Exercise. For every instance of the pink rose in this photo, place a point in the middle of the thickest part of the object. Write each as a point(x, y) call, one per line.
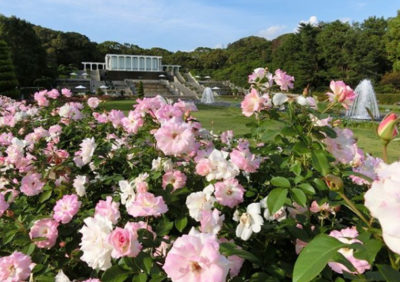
point(174, 177)
point(66, 208)
point(3, 204)
point(124, 243)
point(46, 228)
point(146, 204)
point(229, 192)
point(175, 138)
point(348, 236)
point(203, 167)
point(196, 258)
point(53, 94)
point(66, 92)
point(31, 184)
point(245, 160)
point(40, 98)
point(15, 267)
point(284, 80)
point(341, 93)
point(108, 209)
point(253, 102)
point(93, 102)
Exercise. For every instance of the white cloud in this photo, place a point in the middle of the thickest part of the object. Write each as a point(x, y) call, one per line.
point(313, 20)
point(345, 20)
point(272, 31)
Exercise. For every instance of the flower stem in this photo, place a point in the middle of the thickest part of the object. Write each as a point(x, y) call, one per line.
point(385, 156)
point(354, 209)
point(330, 106)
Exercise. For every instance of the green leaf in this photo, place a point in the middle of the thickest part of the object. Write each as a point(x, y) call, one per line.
point(299, 196)
point(296, 169)
point(181, 223)
point(115, 274)
point(164, 227)
point(388, 273)
point(45, 196)
point(314, 257)
point(300, 148)
point(229, 249)
point(320, 162)
point(45, 278)
point(307, 188)
point(148, 264)
point(37, 268)
point(142, 277)
point(9, 236)
point(157, 278)
point(339, 258)
point(276, 199)
point(262, 277)
point(329, 131)
point(280, 181)
point(374, 276)
point(28, 250)
point(320, 184)
point(369, 250)
point(249, 194)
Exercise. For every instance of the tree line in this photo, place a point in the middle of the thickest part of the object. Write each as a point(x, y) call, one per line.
point(314, 54)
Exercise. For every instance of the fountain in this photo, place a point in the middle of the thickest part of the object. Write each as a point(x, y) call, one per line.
point(365, 99)
point(208, 96)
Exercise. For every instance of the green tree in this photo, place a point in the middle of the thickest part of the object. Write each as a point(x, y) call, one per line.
point(307, 57)
point(285, 55)
point(336, 46)
point(392, 39)
point(8, 80)
point(369, 56)
point(140, 90)
point(28, 56)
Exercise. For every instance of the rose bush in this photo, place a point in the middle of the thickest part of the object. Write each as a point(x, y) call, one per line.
point(151, 195)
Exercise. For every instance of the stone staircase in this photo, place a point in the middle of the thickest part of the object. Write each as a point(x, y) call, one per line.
point(151, 88)
point(192, 82)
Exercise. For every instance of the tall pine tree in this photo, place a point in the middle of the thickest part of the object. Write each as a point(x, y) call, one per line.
point(8, 79)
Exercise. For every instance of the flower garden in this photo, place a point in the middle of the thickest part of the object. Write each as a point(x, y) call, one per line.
point(94, 195)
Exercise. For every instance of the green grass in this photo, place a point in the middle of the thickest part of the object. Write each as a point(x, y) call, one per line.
point(219, 119)
point(123, 105)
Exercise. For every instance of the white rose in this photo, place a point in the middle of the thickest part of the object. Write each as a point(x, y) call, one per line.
point(94, 244)
point(79, 184)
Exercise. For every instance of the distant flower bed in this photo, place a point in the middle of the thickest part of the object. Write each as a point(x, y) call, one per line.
point(90, 195)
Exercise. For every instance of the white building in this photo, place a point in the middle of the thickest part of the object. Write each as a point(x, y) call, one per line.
point(122, 62)
point(115, 62)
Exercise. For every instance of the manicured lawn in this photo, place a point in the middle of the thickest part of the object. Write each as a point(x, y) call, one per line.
point(218, 119)
point(123, 105)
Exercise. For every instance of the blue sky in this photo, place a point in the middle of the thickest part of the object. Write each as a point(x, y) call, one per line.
point(187, 24)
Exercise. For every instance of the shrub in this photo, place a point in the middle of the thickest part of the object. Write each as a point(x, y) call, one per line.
point(391, 78)
point(152, 195)
point(388, 99)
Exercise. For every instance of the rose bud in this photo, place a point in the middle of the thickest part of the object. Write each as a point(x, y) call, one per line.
point(387, 128)
point(334, 183)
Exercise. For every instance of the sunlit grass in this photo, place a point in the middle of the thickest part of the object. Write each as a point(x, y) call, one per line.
point(218, 119)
